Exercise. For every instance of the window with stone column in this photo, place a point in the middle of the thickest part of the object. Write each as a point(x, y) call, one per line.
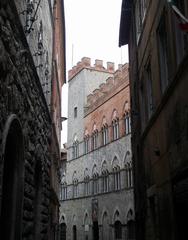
point(104, 131)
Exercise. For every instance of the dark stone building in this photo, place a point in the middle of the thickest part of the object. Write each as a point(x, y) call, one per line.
point(26, 157)
point(158, 59)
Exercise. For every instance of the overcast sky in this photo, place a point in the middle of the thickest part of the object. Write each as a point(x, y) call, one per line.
point(92, 30)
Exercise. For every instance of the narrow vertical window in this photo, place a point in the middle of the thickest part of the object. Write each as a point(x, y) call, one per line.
point(86, 144)
point(104, 134)
point(115, 128)
point(149, 91)
point(75, 188)
point(127, 123)
point(64, 191)
point(86, 186)
point(95, 184)
point(75, 112)
point(75, 149)
point(117, 178)
point(105, 181)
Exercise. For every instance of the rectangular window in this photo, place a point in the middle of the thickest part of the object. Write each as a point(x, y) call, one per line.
point(75, 112)
point(86, 144)
point(86, 188)
point(117, 180)
point(73, 152)
point(163, 52)
point(149, 91)
point(115, 128)
point(127, 124)
point(104, 135)
point(142, 103)
point(63, 192)
point(94, 140)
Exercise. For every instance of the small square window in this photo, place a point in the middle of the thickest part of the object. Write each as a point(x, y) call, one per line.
point(75, 112)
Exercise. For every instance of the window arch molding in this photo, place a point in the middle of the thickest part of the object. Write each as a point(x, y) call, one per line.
point(117, 215)
point(63, 218)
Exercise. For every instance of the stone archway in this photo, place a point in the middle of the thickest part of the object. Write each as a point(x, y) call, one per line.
point(12, 180)
point(63, 228)
point(130, 225)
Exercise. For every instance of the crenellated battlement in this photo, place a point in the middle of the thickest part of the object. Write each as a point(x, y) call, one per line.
point(105, 90)
point(86, 63)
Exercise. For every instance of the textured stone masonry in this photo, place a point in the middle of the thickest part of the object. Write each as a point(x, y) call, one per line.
point(21, 94)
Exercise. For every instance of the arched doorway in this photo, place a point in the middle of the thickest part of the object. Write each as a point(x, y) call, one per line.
point(118, 230)
point(12, 181)
point(131, 230)
point(63, 231)
point(95, 230)
point(130, 225)
point(74, 233)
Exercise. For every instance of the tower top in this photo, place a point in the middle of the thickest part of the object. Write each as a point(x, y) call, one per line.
point(86, 63)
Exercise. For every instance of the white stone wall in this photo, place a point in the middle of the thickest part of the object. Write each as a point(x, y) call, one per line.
point(117, 149)
point(80, 86)
point(121, 200)
point(74, 212)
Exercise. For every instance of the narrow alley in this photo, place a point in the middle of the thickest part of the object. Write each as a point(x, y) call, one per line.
point(93, 120)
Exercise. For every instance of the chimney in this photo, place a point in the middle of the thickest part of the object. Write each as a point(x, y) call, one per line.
point(86, 61)
point(110, 66)
point(99, 64)
point(120, 66)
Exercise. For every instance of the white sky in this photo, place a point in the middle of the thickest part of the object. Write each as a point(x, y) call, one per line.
point(92, 30)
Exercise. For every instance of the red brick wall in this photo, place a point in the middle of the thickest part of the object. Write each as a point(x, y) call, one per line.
point(117, 93)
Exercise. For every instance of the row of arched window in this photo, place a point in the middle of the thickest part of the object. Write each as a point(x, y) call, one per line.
point(101, 138)
point(100, 183)
point(120, 230)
